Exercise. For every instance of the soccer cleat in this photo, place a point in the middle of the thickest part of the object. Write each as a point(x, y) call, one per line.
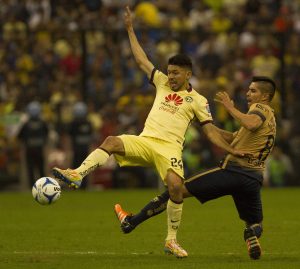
point(172, 247)
point(69, 176)
point(252, 242)
point(123, 217)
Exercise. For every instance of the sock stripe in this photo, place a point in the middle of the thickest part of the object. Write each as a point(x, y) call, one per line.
point(175, 202)
point(105, 150)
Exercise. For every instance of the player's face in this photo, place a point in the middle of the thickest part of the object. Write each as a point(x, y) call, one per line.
point(178, 77)
point(254, 95)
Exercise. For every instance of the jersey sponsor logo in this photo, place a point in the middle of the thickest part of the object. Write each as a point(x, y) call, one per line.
point(174, 98)
point(168, 108)
point(189, 99)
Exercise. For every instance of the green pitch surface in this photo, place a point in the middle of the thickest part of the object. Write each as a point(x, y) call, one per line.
point(81, 231)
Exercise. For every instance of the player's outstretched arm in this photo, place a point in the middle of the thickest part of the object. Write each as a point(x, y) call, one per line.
point(248, 121)
point(139, 54)
point(215, 137)
point(228, 136)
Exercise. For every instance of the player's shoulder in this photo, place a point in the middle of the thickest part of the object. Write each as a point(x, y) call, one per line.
point(196, 95)
point(159, 74)
point(158, 78)
point(262, 108)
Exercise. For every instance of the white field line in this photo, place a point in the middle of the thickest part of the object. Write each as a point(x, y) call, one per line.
point(76, 253)
point(98, 253)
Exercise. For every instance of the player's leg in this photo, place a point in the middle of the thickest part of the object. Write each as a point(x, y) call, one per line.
point(249, 206)
point(156, 206)
point(153, 208)
point(30, 166)
point(95, 159)
point(174, 212)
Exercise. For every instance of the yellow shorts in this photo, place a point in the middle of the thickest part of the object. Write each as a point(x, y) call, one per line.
point(151, 152)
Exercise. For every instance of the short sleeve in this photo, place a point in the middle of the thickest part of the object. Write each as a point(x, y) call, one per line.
point(258, 110)
point(202, 111)
point(158, 78)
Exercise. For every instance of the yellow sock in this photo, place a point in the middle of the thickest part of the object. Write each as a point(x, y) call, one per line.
point(96, 158)
point(174, 212)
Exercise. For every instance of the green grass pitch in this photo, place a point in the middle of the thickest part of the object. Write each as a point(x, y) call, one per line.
point(81, 231)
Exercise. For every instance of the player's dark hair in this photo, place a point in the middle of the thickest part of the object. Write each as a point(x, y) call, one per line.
point(181, 60)
point(267, 85)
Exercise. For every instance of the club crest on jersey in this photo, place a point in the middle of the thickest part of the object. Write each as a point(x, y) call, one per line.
point(189, 99)
point(174, 98)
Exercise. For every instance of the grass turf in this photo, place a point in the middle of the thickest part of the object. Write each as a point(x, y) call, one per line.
point(81, 231)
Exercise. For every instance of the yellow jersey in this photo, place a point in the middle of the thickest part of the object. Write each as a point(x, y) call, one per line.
point(172, 112)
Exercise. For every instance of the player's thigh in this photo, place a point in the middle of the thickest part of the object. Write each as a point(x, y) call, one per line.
point(168, 163)
point(211, 184)
point(138, 152)
point(248, 202)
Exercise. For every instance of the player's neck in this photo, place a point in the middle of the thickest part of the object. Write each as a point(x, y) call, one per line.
point(267, 103)
point(185, 87)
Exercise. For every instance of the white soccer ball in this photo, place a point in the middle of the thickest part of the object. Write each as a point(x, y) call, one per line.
point(46, 191)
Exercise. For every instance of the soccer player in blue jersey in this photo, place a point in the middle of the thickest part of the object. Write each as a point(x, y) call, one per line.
point(160, 144)
point(240, 177)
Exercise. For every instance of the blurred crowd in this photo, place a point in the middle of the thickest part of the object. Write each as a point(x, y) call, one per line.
point(71, 61)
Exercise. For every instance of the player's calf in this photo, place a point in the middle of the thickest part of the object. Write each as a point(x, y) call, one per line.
point(251, 235)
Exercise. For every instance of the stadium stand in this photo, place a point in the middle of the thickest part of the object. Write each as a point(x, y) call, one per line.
point(64, 52)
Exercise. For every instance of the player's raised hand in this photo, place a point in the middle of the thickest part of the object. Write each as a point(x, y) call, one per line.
point(224, 99)
point(128, 17)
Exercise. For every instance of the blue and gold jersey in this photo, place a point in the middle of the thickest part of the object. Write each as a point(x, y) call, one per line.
point(258, 143)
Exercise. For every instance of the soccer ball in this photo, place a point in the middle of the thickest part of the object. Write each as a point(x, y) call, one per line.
point(46, 191)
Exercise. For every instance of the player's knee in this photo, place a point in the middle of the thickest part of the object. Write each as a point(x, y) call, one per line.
point(174, 188)
point(174, 183)
point(253, 230)
point(112, 144)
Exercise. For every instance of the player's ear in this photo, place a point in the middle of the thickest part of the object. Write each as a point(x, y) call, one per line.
point(265, 97)
point(188, 74)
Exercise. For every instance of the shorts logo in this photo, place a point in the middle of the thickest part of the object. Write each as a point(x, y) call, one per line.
point(189, 99)
point(175, 98)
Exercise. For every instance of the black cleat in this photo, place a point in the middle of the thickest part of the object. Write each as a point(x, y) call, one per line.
point(126, 227)
point(254, 249)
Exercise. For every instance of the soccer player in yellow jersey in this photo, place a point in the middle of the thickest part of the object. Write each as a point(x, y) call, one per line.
point(240, 177)
point(160, 144)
